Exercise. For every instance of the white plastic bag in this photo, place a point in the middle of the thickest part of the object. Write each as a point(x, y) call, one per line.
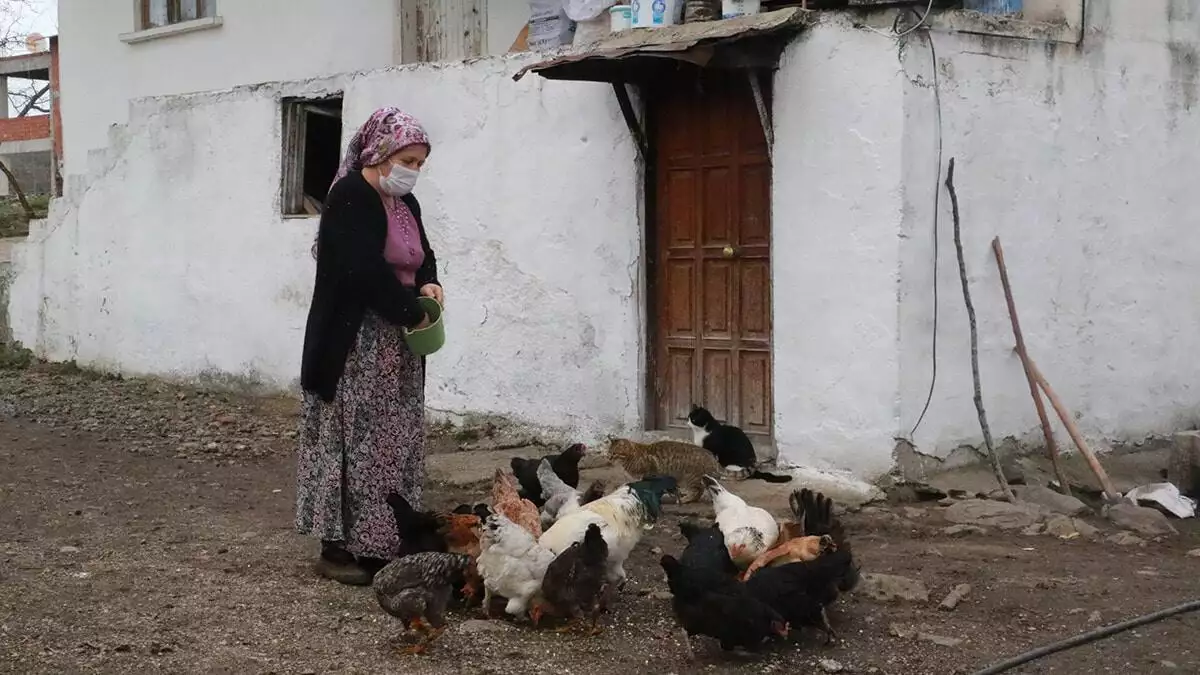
point(549, 25)
point(586, 10)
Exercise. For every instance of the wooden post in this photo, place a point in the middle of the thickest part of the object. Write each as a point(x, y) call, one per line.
point(1110, 492)
point(1047, 430)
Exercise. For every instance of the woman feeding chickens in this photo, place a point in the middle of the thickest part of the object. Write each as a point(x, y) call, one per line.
point(362, 425)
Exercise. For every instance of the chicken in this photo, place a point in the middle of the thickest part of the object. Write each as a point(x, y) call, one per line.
point(815, 512)
point(480, 510)
point(620, 515)
point(575, 582)
point(416, 590)
point(512, 564)
point(418, 530)
point(705, 559)
point(801, 591)
point(561, 498)
point(749, 531)
point(507, 500)
point(799, 549)
point(726, 611)
point(461, 532)
point(565, 465)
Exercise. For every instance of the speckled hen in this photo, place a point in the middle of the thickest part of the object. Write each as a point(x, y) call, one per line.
point(416, 590)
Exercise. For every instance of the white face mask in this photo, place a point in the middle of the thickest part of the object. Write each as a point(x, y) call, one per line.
point(400, 181)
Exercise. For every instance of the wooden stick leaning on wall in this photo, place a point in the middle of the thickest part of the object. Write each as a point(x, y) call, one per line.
point(962, 275)
point(1064, 485)
point(1106, 484)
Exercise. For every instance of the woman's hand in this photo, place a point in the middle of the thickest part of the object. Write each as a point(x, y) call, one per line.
point(434, 291)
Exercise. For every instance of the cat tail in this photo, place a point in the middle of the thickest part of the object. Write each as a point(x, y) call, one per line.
point(768, 477)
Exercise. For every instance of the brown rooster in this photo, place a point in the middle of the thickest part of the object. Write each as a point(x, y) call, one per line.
point(507, 500)
point(461, 532)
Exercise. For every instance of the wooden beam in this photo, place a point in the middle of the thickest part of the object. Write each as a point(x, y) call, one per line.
point(441, 30)
point(631, 120)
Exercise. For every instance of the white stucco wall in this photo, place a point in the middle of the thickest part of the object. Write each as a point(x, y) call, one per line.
point(528, 201)
point(258, 41)
point(1079, 157)
point(175, 260)
point(1082, 160)
point(834, 251)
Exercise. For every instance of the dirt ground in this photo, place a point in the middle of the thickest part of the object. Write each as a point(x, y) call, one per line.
point(148, 528)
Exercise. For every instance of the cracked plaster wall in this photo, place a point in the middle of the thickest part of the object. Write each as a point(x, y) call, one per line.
point(1080, 157)
point(175, 261)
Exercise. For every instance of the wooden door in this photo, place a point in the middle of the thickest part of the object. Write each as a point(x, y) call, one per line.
point(712, 243)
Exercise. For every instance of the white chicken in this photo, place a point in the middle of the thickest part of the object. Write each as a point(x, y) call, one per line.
point(512, 564)
point(749, 531)
point(620, 515)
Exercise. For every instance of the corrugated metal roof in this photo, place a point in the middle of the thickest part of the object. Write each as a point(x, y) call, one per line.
point(695, 43)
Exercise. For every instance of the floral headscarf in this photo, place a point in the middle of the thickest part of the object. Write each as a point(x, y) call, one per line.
point(385, 133)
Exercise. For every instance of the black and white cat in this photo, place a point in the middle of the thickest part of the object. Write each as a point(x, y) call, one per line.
point(730, 445)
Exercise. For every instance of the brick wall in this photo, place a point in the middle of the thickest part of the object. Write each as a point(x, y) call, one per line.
point(27, 128)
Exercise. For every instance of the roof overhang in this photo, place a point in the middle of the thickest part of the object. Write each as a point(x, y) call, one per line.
point(754, 41)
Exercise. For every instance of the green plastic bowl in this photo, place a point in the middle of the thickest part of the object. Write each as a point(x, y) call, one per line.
point(427, 340)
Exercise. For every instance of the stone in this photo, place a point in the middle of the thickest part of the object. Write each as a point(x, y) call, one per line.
point(1034, 530)
point(830, 666)
point(910, 632)
point(1140, 519)
point(1054, 501)
point(1194, 553)
point(963, 530)
point(940, 640)
point(482, 626)
point(988, 513)
point(1065, 527)
point(956, 595)
point(892, 588)
point(1169, 665)
point(69, 549)
point(1126, 539)
point(913, 513)
point(1094, 617)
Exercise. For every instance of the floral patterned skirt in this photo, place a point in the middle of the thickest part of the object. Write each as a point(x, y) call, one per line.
point(367, 442)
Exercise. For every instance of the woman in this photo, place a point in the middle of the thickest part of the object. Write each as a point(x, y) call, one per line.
point(362, 432)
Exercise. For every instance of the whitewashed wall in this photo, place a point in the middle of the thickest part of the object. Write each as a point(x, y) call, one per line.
point(258, 41)
point(176, 261)
point(1081, 158)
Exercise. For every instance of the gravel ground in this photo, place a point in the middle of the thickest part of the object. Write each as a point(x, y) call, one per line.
point(147, 527)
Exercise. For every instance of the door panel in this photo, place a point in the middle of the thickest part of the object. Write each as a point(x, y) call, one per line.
point(712, 272)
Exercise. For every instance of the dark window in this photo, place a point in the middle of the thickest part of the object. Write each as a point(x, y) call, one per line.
point(312, 142)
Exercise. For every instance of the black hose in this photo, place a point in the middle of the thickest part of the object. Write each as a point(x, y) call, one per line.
point(1090, 636)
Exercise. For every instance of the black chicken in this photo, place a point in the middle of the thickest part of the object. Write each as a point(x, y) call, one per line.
point(801, 591)
point(418, 530)
point(814, 511)
point(726, 612)
point(565, 465)
point(574, 585)
point(705, 561)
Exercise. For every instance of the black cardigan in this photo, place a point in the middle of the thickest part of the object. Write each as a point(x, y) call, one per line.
point(352, 277)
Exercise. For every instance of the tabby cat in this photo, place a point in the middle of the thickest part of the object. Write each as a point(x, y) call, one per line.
point(684, 462)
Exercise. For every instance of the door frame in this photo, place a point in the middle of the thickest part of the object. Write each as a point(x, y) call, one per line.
point(650, 251)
